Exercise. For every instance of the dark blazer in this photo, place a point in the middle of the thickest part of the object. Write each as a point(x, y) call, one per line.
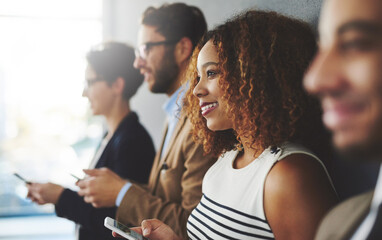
point(342, 222)
point(175, 184)
point(130, 153)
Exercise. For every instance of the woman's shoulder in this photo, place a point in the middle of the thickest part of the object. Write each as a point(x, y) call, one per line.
point(299, 188)
point(297, 170)
point(290, 148)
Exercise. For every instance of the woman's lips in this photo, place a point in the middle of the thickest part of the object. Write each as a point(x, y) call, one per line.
point(208, 107)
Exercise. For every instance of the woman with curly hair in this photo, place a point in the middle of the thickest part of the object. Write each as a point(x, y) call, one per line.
point(247, 104)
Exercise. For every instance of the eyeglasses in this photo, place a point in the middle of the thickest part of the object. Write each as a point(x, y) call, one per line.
point(144, 49)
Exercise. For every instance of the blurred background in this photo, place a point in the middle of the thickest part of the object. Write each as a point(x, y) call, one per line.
point(46, 128)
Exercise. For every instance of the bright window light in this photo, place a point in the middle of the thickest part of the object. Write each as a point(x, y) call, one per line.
point(46, 131)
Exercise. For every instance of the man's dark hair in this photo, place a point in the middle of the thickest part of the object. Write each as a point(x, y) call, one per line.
point(177, 20)
point(111, 60)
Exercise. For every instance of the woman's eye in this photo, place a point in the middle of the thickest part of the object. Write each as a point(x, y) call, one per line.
point(211, 73)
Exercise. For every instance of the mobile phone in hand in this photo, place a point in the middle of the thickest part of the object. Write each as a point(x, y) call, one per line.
point(78, 178)
point(122, 230)
point(22, 179)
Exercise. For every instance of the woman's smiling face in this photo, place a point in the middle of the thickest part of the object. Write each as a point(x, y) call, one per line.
point(208, 91)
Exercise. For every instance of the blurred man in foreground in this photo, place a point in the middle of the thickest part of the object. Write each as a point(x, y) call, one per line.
point(347, 77)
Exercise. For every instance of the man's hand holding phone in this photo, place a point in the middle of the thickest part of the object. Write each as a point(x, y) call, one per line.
point(21, 178)
point(100, 187)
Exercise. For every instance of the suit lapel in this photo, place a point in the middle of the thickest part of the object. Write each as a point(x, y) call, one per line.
point(157, 161)
point(154, 181)
point(360, 210)
point(175, 134)
point(162, 144)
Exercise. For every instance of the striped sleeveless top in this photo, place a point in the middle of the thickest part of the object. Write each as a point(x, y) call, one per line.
point(232, 203)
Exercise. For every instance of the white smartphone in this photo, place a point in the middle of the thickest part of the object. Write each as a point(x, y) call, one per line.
point(122, 230)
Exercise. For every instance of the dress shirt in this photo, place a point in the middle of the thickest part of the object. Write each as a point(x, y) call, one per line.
point(172, 107)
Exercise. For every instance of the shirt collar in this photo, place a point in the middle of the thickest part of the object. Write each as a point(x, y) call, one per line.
point(173, 105)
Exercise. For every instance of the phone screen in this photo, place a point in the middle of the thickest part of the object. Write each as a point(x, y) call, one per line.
point(121, 228)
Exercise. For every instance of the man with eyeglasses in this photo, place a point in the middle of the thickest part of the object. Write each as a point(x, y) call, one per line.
point(167, 37)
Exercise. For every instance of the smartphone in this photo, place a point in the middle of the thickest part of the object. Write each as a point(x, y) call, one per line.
point(122, 230)
point(78, 179)
point(22, 179)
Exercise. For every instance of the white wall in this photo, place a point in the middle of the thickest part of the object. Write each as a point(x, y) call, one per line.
point(121, 23)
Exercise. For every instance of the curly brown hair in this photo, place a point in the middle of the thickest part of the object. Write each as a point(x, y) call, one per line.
point(262, 58)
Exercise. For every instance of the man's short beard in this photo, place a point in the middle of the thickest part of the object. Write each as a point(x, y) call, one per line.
point(166, 74)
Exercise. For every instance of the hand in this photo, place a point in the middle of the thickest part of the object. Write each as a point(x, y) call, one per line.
point(43, 193)
point(155, 230)
point(101, 187)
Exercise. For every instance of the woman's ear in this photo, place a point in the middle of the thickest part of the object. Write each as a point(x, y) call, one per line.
point(183, 50)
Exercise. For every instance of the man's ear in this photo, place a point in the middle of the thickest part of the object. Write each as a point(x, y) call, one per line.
point(183, 50)
point(118, 85)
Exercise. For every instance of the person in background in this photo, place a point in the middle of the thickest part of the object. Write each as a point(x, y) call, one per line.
point(126, 148)
point(167, 37)
point(346, 75)
point(246, 102)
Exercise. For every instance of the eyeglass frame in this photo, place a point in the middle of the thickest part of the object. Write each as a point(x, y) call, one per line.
point(142, 51)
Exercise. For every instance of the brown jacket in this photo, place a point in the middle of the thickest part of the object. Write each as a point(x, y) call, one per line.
point(341, 222)
point(174, 192)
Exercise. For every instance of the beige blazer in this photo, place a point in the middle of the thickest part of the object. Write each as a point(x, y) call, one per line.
point(174, 192)
point(341, 222)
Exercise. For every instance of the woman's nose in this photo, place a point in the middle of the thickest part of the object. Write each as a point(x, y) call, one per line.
point(200, 89)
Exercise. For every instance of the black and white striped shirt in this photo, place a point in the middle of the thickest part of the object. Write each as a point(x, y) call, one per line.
point(232, 202)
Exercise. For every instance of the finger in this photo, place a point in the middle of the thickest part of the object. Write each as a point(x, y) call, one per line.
point(32, 199)
point(83, 184)
point(40, 201)
point(116, 235)
point(155, 223)
point(137, 229)
point(29, 186)
point(81, 192)
point(92, 172)
point(146, 227)
point(88, 199)
point(38, 196)
point(30, 195)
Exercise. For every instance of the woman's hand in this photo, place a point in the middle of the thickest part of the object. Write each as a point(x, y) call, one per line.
point(154, 229)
